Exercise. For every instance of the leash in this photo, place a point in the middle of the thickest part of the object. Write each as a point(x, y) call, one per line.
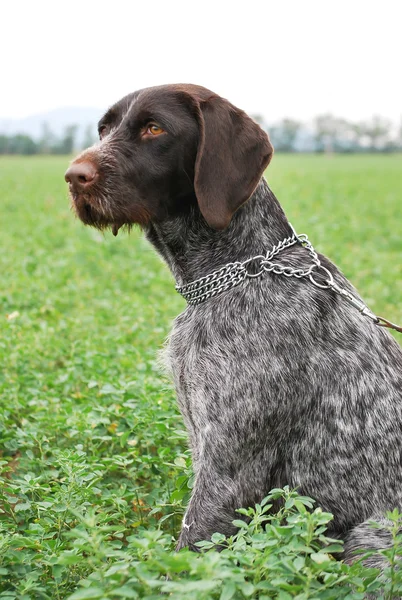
point(233, 274)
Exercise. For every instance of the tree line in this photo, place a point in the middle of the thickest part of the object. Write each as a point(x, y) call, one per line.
point(48, 143)
point(326, 133)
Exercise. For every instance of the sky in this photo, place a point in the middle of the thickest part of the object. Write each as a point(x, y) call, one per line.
point(293, 58)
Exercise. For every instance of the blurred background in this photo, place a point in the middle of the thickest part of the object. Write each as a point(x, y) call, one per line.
point(319, 76)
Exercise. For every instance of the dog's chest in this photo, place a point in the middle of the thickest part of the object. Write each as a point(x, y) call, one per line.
point(223, 370)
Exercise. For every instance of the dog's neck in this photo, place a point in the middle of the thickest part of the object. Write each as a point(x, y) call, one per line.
point(192, 249)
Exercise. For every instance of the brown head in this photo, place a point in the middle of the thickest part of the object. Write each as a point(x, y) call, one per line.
point(162, 148)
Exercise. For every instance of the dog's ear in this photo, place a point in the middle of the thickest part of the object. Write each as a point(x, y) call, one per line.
point(233, 152)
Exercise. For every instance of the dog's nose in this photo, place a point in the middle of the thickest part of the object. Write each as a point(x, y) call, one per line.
point(81, 175)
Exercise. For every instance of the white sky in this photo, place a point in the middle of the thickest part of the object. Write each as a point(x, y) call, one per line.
point(280, 58)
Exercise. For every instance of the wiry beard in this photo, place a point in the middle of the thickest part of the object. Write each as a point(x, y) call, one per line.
point(105, 205)
point(95, 209)
point(102, 213)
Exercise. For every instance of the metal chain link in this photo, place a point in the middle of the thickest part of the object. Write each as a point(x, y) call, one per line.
point(233, 274)
point(215, 283)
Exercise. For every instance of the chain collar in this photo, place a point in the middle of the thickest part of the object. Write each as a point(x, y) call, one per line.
point(233, 274)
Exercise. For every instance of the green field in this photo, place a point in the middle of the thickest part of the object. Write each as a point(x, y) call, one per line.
point(94, 468)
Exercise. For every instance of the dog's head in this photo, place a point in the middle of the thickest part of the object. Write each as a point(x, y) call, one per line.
point(160, 148)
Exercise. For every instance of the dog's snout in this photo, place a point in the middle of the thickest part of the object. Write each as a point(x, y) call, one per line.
point(81, 175)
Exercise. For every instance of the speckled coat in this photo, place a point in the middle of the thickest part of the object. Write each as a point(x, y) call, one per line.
point(281, 383)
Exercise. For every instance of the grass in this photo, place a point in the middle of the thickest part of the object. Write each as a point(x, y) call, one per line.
point(94, 467)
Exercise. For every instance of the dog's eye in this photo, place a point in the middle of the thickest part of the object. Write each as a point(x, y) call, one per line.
point(154, 129)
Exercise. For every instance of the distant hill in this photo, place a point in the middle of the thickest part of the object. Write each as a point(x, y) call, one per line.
point(57, 120)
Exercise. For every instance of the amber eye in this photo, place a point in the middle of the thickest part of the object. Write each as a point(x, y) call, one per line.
point(153, 129)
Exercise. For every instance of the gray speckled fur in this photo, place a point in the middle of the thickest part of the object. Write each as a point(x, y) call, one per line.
point(280, 383)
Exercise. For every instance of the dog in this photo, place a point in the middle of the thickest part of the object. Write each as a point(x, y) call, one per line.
point(279, 381)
